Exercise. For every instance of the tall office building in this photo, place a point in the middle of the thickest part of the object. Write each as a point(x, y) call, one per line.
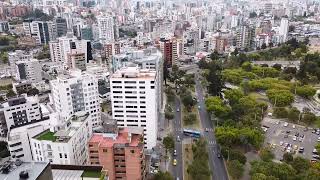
point(106, 28)
point(61, 26)
point(60, 48)
point(284, 29)
point(29, 70)
point(74, 92)
point(86, 33)
point(135, 96)
point(41, 31)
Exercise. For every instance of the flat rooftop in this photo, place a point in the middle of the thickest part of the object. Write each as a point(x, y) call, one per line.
point(123, 138)
point(74, 172)
point(34, 169)
point(63, 135)
point(134, 72)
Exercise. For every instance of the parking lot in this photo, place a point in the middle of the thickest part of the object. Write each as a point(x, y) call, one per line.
point(280, 137)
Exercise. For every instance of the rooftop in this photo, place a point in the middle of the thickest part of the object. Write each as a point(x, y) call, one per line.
point(67, 131)
point(46, 135)
point(76, 172)
point(134, 72)
point(130, 136)
point(34, 169)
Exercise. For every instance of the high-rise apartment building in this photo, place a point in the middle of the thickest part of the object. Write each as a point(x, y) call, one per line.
point(169, 51)
point(190, 41)
point(29, 70)
point(120, 154)
point(245, 37)
point(135, 97)
point(106, 28)
point(284, 29)
point(75, 92)
point(77, 60)
point(21, 110)
point(66, 145)
point(60, 48)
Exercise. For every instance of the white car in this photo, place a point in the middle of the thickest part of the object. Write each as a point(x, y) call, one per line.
point(285, 124)
point(281, 143)
point(294, 138)
point(293, 126)
point(318, 139)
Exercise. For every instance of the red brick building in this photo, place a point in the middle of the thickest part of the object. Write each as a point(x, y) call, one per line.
point(120, 154)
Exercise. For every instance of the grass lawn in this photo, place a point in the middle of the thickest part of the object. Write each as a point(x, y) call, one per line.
point(187, 159)
point(93, 174)
point(196, 125)
point(47, 135)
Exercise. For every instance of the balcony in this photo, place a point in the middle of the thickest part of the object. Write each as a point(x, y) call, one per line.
point(119, 163)
point(120, 169)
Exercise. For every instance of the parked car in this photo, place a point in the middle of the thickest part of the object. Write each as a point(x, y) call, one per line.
point(285, 124)
point(301, 150)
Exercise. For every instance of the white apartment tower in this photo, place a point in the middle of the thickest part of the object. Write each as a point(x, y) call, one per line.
point(106, 28)
point(75, 92)
point(135, 95)
point(284, 29)
point(21, 110)
point(60, 48)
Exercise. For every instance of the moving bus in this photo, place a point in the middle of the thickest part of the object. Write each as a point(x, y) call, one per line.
point(191, 133)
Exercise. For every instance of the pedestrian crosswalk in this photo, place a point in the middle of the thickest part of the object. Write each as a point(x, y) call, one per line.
point(211, 143)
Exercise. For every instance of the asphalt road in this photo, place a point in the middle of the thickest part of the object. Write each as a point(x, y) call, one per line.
point(178, 169)
point(216, 164)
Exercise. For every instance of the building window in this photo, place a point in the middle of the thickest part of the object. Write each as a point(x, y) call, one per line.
point(132, 151)
point(65, 156)
point(116, 81)
point(105, 150)
point(117, 92)
point(141, 82)
point(152, 87)
point(60, 154)
point(152, 82)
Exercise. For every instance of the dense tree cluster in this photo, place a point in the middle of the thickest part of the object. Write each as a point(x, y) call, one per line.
point(231, 136)
point(291, 169)
point(213, 76)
